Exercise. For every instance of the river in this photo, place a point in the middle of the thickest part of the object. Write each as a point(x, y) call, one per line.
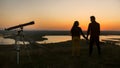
point(62, 38)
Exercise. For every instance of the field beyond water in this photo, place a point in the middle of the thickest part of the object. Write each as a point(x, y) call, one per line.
point(58, 55)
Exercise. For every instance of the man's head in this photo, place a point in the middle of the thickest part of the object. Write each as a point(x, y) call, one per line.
point(92, 18)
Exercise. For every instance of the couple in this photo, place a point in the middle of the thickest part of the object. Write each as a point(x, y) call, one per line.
point(93, 30)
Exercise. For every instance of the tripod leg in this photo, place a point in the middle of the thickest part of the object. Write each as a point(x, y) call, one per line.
point(17, 47)
point(23, 39)
point(27, 49)
point(18, 56)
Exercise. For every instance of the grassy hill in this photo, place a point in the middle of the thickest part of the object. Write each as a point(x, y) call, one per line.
point(58, 55)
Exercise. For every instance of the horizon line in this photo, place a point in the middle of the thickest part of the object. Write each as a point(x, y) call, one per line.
point(55, 30)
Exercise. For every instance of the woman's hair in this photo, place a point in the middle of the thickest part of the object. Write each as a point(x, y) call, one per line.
point(76, 23)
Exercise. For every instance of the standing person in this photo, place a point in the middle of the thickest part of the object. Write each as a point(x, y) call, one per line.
point(94, 31)
point(76, 31)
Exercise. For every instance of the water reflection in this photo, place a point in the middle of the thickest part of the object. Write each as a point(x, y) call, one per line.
point(60, 38)
point(55, 39)
point(4, 41)
point(8, 41)
point(112, 39)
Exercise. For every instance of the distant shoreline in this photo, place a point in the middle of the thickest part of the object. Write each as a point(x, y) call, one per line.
point(48, 32)
point(37, 35)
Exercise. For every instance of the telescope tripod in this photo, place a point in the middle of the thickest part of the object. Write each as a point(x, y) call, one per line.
point(20, 37)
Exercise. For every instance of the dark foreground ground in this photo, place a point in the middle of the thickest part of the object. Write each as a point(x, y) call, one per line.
point(58, 55)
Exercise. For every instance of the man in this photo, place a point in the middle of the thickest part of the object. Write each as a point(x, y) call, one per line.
point(94, 31)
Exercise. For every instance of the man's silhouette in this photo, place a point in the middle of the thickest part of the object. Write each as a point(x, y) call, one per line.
point(94, 31)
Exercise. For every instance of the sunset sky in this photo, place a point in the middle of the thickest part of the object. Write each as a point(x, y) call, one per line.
point(59, 14)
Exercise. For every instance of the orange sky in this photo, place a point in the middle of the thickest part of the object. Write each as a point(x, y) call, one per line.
point(59, 14)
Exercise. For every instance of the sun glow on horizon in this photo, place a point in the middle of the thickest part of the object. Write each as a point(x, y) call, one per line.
point(59, 14)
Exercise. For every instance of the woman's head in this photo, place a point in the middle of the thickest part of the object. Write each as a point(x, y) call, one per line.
point(76, 23)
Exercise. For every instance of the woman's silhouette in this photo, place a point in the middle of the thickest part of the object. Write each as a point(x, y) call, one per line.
point(76, 31)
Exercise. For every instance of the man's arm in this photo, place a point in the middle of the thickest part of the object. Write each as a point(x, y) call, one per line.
point(88, 31)
point(99, 29)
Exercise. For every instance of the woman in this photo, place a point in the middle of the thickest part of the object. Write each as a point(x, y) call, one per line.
point(76, 31)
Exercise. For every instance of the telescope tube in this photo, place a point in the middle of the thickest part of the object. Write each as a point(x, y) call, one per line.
point(21, 25)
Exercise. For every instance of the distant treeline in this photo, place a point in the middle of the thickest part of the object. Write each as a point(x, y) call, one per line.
point(42, 33)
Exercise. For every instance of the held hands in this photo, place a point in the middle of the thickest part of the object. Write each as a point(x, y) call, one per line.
point(86, 38)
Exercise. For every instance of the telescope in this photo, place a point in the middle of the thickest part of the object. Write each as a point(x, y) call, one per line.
point(20, 26)
point(19, 36)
